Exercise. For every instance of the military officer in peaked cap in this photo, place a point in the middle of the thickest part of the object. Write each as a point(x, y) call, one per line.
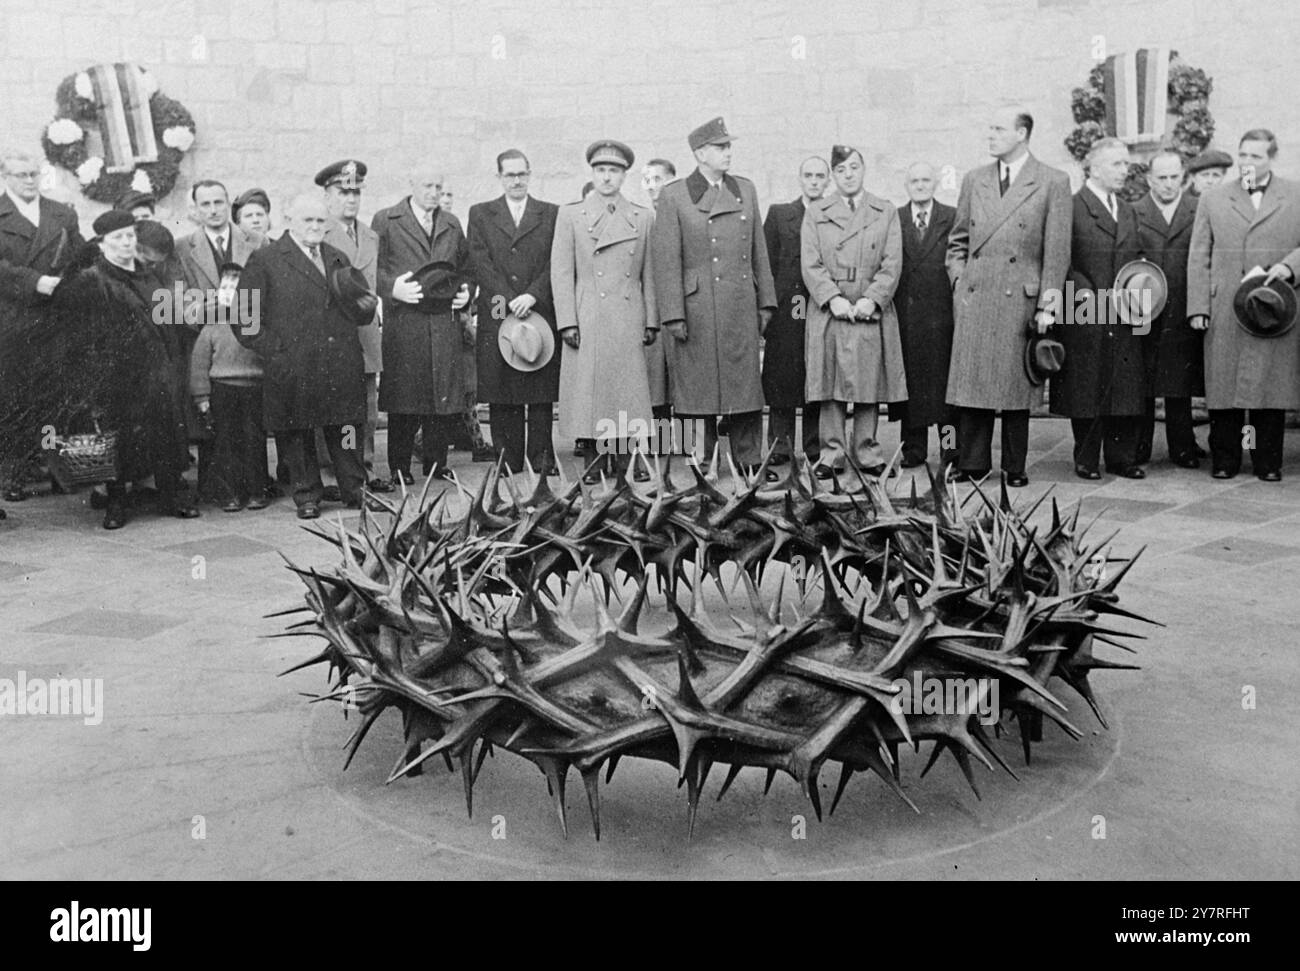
point(343, 182)
point(601, 280)
point(714, 293)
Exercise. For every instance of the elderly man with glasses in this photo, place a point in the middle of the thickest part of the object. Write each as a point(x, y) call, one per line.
point(38, 237)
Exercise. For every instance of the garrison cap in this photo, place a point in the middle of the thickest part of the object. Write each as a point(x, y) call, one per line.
point(610, 152)
point(348, 173)
point(1210, 159)
point(710, 133)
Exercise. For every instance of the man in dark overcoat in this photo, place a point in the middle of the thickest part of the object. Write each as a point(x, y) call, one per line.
point(314, 372)
point(784, 367)
point(714, 294)
point(1173, 353)
point(422, 381)
point(38, 237)
point(1102, 386)
point(924, 304)
point(510, 256)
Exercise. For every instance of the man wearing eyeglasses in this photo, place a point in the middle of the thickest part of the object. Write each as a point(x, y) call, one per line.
point(38, 237)
point(510, 250)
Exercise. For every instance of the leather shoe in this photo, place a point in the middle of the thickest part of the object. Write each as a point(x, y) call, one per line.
point(484, 453)
point(823, 472)
point(258, 502)
point(115, 517)
point(379, 485)
point(1269, 476)
point(642, 474)
point(309, 510)
point(401, 475)
point(911, 461)
point(1131, 472)
point(1083, 472)
point(1222, 474)
point(331, 493)
point(1017, 481)
point(15, 494)
point(442, 473)
point(234, 505)
point(1187, 460)
point(961, 475)
point(772, 475)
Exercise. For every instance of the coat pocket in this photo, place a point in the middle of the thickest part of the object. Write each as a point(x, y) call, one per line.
point(690, 283)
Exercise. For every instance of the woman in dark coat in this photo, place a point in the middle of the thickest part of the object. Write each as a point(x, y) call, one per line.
point(113, 364)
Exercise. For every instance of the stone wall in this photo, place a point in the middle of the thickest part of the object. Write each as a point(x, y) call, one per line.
point(280, 87)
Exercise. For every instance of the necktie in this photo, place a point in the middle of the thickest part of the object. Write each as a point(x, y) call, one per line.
point(921, 219)
point(221, 247)
point(315, 258)
point(352, 232)
point(611, 208)
point(1005, 182)
point(853, 204)
point(1113, 207)
point(426, 221)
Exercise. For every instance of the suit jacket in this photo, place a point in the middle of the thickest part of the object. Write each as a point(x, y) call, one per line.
point(364, 255)
point(198, 266)
point(712, 271)
point(508, 261)
point(313, 371)
point(421, 350)
point(1174, 359)
point(852, 254)
point(1229, 238)
point(1007, 257)
point(1103, 372)
point(784, 373)
point(924, 304)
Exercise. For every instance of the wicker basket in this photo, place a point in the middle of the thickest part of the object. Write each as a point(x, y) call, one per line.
point(83, 459)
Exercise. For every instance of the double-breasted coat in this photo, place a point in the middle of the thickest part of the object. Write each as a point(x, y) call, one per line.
point(924, 304)
point(853, 254)
point(656, 365)
point(363, 253)
point(602, 281)
point(1173, 354)
point(27, 253)
point(1229, 239)
point(421, 350)
point(1103, 373)
point(313, 371)
point(784, 373)
point(1007, 257)
point(711, 270)
point(509, 261)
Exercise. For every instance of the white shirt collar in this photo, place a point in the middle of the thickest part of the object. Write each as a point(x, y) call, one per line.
point(303, 246)
point(517, 208)
point(30, 210)
point(215, 235)
point(922, 207)
point(1168, 210)
point(419, 211)
point(1102, 195)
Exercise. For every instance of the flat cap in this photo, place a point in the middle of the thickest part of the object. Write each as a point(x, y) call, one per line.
point(258, 196)
point(710, 133)
point(1210, 159)
point(610, 152)
point(348, 173)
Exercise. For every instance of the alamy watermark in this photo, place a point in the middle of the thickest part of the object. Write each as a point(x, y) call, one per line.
point(658, 436)
point(1101, 307)
point(82, 697)
point(196, 306)
point(948, 696)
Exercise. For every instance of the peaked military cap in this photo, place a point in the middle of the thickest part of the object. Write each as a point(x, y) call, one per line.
point(610, 152)
point(349, 173)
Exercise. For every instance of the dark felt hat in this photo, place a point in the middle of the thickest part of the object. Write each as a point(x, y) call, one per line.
point(1265, 311)
point(349, 287)
point(439, 282)
point(1043, 358)
point(112, 221)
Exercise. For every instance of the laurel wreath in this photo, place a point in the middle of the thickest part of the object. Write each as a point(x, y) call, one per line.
point(64, 142)
point(1189, 99)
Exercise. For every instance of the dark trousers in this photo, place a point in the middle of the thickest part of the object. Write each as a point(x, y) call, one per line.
point(663, 416)
point(516, 435)
point(1114, 435)
point(296, 448)
point(238, 469)
point(781, 431)
point(1179, 436)
point(1227, 429)
point(436, 433)
point(744, 429)
point(915, 438)
point(975, 440)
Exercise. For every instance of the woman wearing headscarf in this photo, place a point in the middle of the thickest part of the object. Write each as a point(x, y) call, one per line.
point(114, 367)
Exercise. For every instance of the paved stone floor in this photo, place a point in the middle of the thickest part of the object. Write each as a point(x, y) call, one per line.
point(200, 738)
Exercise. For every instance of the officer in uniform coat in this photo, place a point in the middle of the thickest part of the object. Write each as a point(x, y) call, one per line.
point(715, 295)
point(1102, 386)
point(1173, 353)
point(924, 304)
point(784, 370)
point(510, 252)
point(38, 237)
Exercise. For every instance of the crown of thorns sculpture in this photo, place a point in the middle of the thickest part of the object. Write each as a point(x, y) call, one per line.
point(468, 628)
